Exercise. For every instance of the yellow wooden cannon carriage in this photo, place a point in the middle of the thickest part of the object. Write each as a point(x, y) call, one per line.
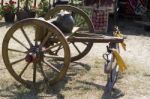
point(38, 51)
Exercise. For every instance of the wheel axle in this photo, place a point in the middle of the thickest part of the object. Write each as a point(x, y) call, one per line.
point(31, 57)
point(34, 55)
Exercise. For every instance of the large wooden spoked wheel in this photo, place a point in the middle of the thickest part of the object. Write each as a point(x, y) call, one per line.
point(78, 49)
point(27, 58)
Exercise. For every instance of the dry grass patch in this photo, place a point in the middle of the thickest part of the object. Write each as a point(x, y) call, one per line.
point(84, 81)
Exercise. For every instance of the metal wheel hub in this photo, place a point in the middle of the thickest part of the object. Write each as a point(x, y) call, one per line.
point(35, 54)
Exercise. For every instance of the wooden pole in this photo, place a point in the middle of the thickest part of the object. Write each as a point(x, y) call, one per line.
point(53, 3)
point(96, 39)
point(35, 3)
point(115, 13)
point(49, 4)
point(2, 2)
point(18, 5)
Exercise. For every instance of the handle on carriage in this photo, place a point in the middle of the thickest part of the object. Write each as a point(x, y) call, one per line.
point(117, 33)
point(112, 54)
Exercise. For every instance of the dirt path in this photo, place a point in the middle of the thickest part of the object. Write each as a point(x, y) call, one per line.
point(86, 80)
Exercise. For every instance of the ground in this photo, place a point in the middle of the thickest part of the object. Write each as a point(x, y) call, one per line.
point(85, 78)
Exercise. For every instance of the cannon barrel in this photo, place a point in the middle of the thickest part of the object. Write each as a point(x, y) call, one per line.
point(63, 20)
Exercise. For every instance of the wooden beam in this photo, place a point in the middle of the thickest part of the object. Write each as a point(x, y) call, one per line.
point(96, 40)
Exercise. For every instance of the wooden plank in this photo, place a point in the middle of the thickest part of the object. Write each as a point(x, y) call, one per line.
point(96, 40)
point(88, 35)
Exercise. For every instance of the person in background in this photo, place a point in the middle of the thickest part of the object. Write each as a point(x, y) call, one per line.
point(60, 2)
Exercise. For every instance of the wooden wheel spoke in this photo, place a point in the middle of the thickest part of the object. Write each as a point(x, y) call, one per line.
point(42, 71)
point(59, 49)
point(85, 43)
point(56, 52)
point(76, 17)
point(17, 61)
point(53, 56)
point(36, 43)
point(45, 39)
point(81, 22)
point(24, 69)
point(20, 42)
point(51, 47)
point(51, 66)
point(27, 38)
point(76, 47)
point(15, 50)
point(34, 72)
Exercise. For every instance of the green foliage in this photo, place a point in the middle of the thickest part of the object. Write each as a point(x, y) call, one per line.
point(43, 8)
point(24, 3)
point(9, 7)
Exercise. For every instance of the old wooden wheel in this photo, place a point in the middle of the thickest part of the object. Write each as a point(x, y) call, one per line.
point(27, 56)
point(82, 21)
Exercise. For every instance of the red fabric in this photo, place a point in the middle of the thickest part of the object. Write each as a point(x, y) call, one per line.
point(100, 19)
point(132, 6)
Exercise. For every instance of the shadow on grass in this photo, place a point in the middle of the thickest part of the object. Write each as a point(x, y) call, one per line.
point(15, 91)
point(80, 64)
point(115, 94)
point(18, 91)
